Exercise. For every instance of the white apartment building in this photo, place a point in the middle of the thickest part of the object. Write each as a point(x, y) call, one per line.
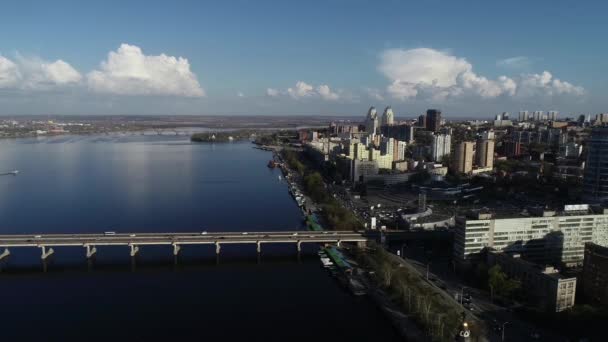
point(543, 236)
point(441, 146)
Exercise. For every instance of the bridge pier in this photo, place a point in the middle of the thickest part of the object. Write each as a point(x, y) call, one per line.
point(91, 250)
point(176, 249)
point(299, 246)
point(45, 253)
point(5, 254)
point(218, 248)
point(134, 250)
point(259, 247)
point(339, 243)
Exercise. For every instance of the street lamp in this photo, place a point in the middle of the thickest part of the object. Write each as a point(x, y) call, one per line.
point(503, 330)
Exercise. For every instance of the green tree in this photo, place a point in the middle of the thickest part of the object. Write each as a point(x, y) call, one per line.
point(500, 284)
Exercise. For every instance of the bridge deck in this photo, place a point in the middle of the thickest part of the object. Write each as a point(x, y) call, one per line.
point(30, 240)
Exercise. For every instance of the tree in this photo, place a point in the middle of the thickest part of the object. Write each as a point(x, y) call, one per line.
point(500, 284)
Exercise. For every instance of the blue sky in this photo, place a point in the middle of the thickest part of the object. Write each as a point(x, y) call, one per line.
point(473, 58)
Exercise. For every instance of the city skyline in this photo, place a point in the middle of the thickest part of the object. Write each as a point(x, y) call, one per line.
point(309, 59)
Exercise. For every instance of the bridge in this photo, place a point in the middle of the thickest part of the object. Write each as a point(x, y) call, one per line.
point(134, 241)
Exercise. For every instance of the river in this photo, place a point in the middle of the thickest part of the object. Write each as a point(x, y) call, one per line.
point(134, 183)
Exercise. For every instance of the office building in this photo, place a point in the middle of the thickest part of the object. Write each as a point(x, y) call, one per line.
point(463, 161)
point(595, 180)
point(595, 273)
point(542, 285)
point(441, 146)
point(485, 153)
point(388, 118)
point(539, 235)
point(433, 120)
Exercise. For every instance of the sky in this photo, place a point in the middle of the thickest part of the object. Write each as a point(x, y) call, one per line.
point(332, 57)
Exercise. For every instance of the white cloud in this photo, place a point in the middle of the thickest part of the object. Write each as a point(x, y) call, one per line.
point(437, 75)
point(518, 62)
point(546, 84)
point(127, 71)
point(272, 92)
point(9, 73)
point(325, 92)
point(304, 90)
point(33, 73)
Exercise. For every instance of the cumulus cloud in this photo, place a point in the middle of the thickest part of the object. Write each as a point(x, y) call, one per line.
point(438, 75)
point(33, 73)
point(9, 73)
point(127, 71)
point(546, 84)
point(304, 90)
point(326, 93)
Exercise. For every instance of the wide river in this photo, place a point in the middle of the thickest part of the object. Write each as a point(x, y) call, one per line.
point(72, 184)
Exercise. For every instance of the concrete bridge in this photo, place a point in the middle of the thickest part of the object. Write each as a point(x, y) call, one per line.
point(134, 241)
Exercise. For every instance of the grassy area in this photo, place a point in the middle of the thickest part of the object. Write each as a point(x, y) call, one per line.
point(438, 316)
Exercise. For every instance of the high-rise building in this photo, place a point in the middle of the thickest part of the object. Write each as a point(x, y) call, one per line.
point(422, 120)
point(387, 145)
point(595, 180)
point(505, 116)
point(441, 146)
point(433, 120)
point(595, 273)
point(601, 118)
point(485, 153)
point(399, 150)
point(523, 115)
point(552, 115)
point(538, 115)
point(512, 148)
point(388, 118)
point(463, 163)
point(371, 121)
point(403, 132)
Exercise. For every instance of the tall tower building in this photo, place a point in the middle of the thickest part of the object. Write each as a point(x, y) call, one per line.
point(538, 115)
point(553, 115)
point(463, 163)
point(388, 118)
point(485, 153)
point(433, 120)
point(595, 180)
point(371, 122)
point(441, 146)
point(422, 121)
point(523, 115)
